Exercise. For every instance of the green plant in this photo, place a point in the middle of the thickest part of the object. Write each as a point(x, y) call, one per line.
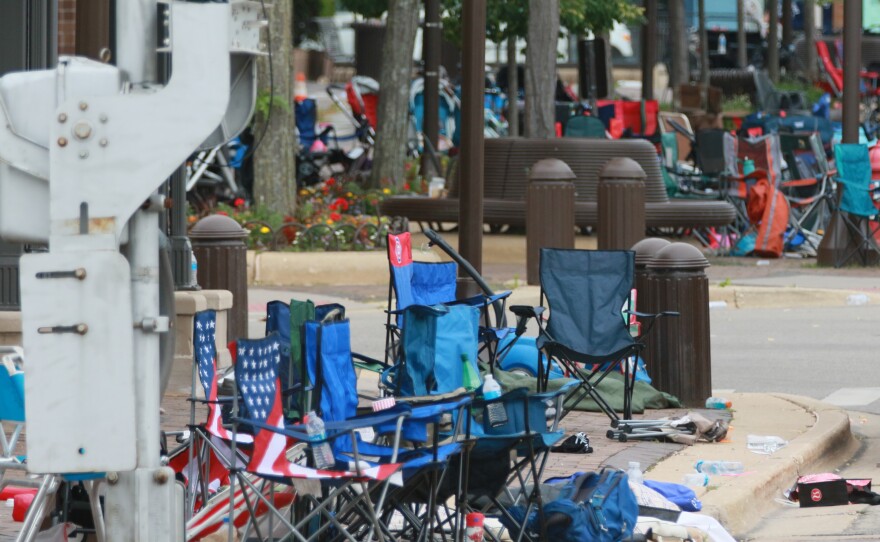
point(371, 9)
point(739, 102)
point(264, 99)
point(812, 92)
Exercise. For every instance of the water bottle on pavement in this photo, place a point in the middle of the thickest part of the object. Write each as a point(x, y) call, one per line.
point(321, 451)
point(718, 403)
point(722, 44)
point(764, 445)
point(696, 479)
point(496, 411)
point(720, 467)
point(634, 473)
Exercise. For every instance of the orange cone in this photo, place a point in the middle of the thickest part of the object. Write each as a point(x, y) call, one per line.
point(300, 91)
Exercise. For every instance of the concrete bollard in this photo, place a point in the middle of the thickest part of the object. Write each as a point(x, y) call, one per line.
point(683, 364)
point(646, 300)
point(621, 204)
point(549, 212)
point(219, 248)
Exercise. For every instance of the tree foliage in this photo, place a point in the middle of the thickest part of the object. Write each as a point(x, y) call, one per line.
point(371, 9)
point(506, 18)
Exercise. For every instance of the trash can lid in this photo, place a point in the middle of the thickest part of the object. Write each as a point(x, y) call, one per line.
point(678, 256)
point(551, 169)
point(646, 249)
point(217, 227)
point(622, 168)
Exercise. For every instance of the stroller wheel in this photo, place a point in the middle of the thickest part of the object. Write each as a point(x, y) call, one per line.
point(622, 437)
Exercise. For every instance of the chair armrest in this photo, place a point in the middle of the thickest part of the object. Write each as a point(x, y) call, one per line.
point(799, 182)
point(526, 311)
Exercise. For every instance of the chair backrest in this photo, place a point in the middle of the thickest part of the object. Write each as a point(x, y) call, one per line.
point(327, 355)
point(585, 292)
point(684, 144)
point(419, 283)
point(584, 126)
point(854, 171)
point(205, 351)
point(669, 145)
point(768, 96)
point(11, 390)
point(764, 152)
point(256, 375)
point(435, 340)
point(716, 152)
point(808, 147)
point(832, 72)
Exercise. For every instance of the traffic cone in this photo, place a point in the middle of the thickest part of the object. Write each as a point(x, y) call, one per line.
point(300, 91)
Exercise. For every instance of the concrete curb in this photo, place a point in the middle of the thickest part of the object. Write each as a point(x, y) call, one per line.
point(739, 501)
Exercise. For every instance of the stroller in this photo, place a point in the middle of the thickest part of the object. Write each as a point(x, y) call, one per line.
point(448, 111)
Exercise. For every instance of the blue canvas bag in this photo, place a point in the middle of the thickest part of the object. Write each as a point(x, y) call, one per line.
point(592, 506)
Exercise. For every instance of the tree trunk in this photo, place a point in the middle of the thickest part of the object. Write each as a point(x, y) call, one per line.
point(512, 89)
point(391, 134)
point(742, 53)
point(704, 44)
point(275, 157)
point(678, 73)
point(787, 26)
point(810, 38)
point(772, 63)
point(541, 68)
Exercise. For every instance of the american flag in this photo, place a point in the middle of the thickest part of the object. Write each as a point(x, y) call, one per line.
point(205, 350)
point(256, 374)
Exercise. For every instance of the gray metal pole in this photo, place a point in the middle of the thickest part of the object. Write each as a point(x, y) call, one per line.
point(136, 40)
point(470, 217)
point(852, 62)
point(810, 38)
point(431, 56)
point(704, 44)
point(742, 52)
point(649, 48)
point(772, 56)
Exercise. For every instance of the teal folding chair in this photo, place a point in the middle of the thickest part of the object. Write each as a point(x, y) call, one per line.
point(856, 204)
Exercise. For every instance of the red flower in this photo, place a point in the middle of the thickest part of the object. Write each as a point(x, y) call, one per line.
point(335, 217)
point(238, 202)
point(406, 186)
point(330, 182)
point(341, 203)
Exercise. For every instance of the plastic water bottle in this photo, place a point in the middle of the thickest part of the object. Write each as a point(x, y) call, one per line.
point(722, 44)
point(496, 411)
point(469, 376)
point(193, 270)
point(765, 445)
point(635, 473)
point(720, 467)
point(696, 479)
point(718, 403)
point(321, 451)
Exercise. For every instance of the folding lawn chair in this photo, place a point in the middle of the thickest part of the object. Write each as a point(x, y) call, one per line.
point(684, 133)
point(811, 191)
point(586, 290)
point(324, 497)
point(856, 203)
point(423, 457)
point(12, 414)
point(428, 283)
point(204, 460)
point(437, 342)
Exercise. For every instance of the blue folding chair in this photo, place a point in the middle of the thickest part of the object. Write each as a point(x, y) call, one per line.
point(856, 203)
point(12, 413)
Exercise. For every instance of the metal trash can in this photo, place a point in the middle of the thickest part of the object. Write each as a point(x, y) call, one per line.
point(221, 253)
point(646, 300)
point(549, 211)
point(683, 357)
point(621, 204)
